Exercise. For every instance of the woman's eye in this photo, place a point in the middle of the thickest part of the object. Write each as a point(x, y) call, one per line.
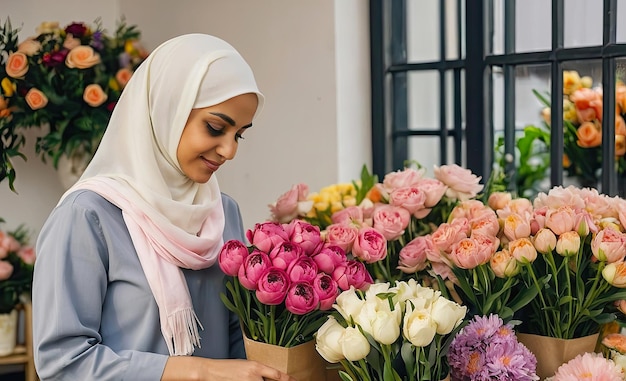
point(213, 131)
point(239, 137)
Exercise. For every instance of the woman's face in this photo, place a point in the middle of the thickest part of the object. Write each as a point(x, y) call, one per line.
point(211, 136)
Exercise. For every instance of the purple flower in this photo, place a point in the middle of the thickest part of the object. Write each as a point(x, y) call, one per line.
point(487, 349)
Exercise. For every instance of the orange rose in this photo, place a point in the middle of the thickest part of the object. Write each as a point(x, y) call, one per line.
point(620, 125)
point(94, 96)
point(589, 135)
point(588, 103)
point(17, 65)
point(82, 57)
point(29, 47)
point(123, 76)
point(36, 99)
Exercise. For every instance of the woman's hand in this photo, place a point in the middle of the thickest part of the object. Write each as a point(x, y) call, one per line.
point(182, 368)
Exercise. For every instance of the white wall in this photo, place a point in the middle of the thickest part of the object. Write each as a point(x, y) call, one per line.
point(310, 58)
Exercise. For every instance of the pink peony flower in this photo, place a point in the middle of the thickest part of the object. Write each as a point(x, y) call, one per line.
point(304, 234)
point(6, 270)
point(291, 204)
point(370, 245)
point(252, 268)
point(561, 220)
point(27, 254)
point(266, 235)
point(408, 177)
point(283, 254)
point(329, 257)
point(326, 289)
point(272, 286)
point(609, 245)
point(410, 198)
point(589, 366)
point(301, 298)
point(462, 183)
point(352, 215)
point(467, 254)
point(434, 191)
point(413, 256)
point(342, 235)
point(391, 220)
point(302, 269)
point(232, 256)
point(352, 273)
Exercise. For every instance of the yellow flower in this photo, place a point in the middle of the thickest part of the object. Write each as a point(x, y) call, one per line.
point(8, 87)
point(571, 81)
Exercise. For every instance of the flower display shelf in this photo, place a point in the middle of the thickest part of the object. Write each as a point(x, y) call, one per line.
point(23, 353)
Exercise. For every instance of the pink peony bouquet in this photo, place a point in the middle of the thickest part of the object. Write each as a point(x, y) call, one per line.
point(284, 284)
point(17, 259)
point(487, 349)
point(394, 332)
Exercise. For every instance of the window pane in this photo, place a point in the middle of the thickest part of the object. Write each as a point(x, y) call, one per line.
point(621, 27)
point(583, 23)
point(423, 100)
point(452, 17)
point(422, 24)
point(533, 24)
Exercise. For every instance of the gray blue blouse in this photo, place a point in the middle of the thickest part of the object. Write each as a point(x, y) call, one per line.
point(94, 316)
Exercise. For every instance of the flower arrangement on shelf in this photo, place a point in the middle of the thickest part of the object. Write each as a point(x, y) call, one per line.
point(283, 285)
point(391, 333)
point(487, 349)
point(17, 259)
point(378, 219)
point(582, 129)
point(66, 80)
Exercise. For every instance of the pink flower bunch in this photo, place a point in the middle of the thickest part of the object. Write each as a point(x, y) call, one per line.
point(16, 268)
point(588, 366)
point(288, 272)
point(487, 349)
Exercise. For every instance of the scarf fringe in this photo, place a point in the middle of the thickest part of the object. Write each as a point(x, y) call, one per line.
point(184, 334)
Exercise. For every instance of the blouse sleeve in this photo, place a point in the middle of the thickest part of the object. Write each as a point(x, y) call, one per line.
point(69, 289)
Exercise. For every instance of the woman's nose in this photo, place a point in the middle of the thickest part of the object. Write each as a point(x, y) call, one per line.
point(227, 147)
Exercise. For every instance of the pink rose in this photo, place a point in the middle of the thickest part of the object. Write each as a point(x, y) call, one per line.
point(6, 270)
point(446, 235)
point(467, 254)
point(329, 257)
point(609, 245)
point(266, 235)
point(504, 265)
point(391, 220)
point(232, 256)
point(487, 225)
point(301, 298)
point(350, 215)
point(352, 273)
point(326, 289)
point(434, 191)
point(291, 204)
point(488, 244)
point(410, 198)
point(283, 254)
point(408, 177)
point(27, 254)
point(342, 236)
point(252, 268)
point(516, 226)
point(370, 245)
point(412, 257)
point(302, 269)
point(272, 286)
point(462, 183)
point(498, 200)
point(561, 220)
point(523, 250)
point(306, 235)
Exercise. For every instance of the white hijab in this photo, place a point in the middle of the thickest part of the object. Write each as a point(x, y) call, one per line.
point(174, 222)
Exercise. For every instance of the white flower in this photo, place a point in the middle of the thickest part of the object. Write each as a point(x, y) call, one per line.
point(419, 328)
point(354, 345)
point(348, 304)
point(327, 340)
point(386, 326)
point(447, 314)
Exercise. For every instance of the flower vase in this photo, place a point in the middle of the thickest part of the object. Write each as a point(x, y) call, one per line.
point(8, 332)
point(552, 352)
point(301, 362)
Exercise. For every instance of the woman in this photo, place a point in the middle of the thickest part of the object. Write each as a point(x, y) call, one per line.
point(126, 286)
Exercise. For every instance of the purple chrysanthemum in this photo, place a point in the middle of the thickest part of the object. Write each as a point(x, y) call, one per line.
point(487, 349)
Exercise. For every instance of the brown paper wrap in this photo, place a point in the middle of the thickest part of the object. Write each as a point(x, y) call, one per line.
point(551, 352)
point(301, 362)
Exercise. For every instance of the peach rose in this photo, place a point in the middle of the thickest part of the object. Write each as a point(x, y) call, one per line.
point(82, 57)
point(36, 99)
point(123, 76)
point(620, 125)
point(93, 95)
point(17, 65)
point(620, 145)
point(29, 47)
point(589, 135)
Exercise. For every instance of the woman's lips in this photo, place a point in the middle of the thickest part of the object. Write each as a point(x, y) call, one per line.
point(212, 165)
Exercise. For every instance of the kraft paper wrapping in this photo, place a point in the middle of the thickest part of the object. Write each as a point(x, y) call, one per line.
point(301, 362)
point(551, 352)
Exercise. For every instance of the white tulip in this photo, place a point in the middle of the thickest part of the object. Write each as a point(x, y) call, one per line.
point(419, 328)
point(354, 345)
point(327, 340)
point(348, 304)
point(447, 314)
point(386, 326)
